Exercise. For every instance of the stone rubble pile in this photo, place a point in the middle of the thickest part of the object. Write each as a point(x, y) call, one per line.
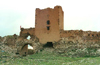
point(7, 44)
point(7, 49)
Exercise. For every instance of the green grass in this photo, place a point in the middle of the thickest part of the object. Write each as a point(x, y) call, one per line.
point(49, 59)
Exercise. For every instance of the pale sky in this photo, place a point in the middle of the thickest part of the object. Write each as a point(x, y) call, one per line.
point(78, 14)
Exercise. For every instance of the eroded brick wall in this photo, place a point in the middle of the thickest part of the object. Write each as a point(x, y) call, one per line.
point(69, 33)
point(85, 35)
point(24, 33)
point(91, 36)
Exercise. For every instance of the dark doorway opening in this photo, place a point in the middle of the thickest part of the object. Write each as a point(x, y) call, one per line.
point(48, 44)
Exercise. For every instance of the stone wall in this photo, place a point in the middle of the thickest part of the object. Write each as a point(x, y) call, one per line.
point(69, 33)
point(91, 36)
point(85, 35)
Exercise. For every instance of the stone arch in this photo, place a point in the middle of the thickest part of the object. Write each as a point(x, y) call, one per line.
point(24, 49)
point(20, 44)
point(22, 41)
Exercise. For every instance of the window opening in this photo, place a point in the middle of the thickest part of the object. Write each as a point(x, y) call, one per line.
point(28, 37)
point(48, 22)
point(48, 27)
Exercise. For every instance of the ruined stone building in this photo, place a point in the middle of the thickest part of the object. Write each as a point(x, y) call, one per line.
point(49, 28)
point(48, 23)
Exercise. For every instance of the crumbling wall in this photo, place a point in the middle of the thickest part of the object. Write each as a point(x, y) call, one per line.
point(8, 43)
point(85, 35)
point(10, 40)
point(24, 33)
point(1, 39)
point(22, 48)
point(70, 39)
point(71, 33)
point(91, 36)
point(70, 44)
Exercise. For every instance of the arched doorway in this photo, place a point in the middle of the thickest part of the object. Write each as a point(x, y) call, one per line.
point(26, 49)
point(49, 45)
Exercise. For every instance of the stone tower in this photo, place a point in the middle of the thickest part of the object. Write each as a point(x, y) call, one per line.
point(48, 23)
